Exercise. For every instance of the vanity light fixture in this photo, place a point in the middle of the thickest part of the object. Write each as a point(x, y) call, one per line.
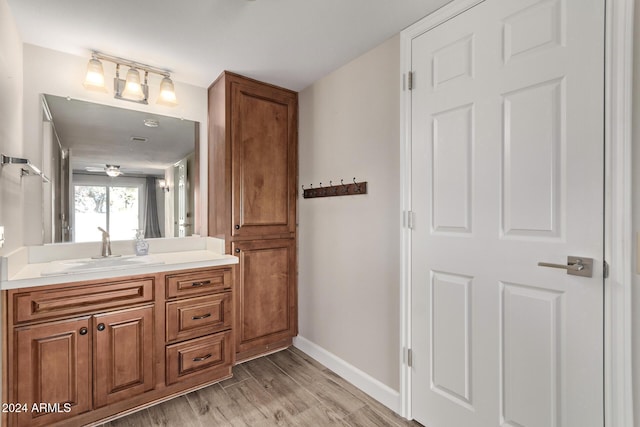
point(162, 183)
point(167, 93)
point(131, 88)
point(95, 75)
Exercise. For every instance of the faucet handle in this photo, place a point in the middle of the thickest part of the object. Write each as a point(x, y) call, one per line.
point(103, 231)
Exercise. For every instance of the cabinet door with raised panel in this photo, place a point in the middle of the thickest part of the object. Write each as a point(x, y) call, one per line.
point(264, 160)
point(124, 356)
point(266, 300)
point(53, 371)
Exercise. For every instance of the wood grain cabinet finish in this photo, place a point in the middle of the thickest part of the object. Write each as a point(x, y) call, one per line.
point(267, 309)
point(57, 302)
point(252, 199)
point(195, 317)
point(123, 342)
point(199, 323)
point(252, 159)
point(103, 347)
point(199, 356)
point(53, 366)
point(198, 282)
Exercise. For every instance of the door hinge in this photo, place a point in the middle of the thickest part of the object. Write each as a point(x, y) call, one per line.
point(410, 80)
point(410, 219)
point(605, 269)
point(409, 357)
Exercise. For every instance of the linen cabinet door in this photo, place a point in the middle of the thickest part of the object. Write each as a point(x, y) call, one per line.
point(264, 160)
point(53, 366)
point(124, 356)
point(266, 310)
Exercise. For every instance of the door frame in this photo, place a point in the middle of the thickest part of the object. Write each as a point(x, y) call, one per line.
point(618, 379)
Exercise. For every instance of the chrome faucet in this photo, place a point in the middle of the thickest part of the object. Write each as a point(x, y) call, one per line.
point(106, 243)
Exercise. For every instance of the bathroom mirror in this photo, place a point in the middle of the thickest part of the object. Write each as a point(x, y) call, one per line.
point(118, 169)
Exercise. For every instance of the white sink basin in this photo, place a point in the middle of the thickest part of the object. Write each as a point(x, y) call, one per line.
point(99, 264)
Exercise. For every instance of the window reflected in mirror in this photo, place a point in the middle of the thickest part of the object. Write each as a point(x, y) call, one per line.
point(119, 169)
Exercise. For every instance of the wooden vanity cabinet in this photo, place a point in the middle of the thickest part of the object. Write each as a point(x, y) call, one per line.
point(123, 354)
point(92, 350)
point(253, 143)
point(267, 308)
point(199, 316)
point(53, 365)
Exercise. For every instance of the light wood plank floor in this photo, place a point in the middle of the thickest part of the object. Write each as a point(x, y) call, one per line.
point(287, 388)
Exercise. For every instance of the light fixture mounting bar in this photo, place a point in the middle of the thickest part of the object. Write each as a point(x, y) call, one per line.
point(131, 64)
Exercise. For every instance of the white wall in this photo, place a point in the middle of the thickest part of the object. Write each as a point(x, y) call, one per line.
point(11, 142)
point(56, 73)
point(636, 213)
point(349, 267)
point(11, 192)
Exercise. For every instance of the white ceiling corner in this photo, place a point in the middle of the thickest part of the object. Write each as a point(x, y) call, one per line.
point(290, 43)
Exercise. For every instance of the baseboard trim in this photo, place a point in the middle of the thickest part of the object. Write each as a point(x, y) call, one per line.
point(365, 382)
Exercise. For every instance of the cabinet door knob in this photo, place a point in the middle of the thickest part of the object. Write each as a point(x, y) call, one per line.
point(101, 327)
point(237, 250)
point(237, 227)
point(83, 331)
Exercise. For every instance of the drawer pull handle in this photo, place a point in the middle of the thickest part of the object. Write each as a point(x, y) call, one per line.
point(101, 327)
point(204, 282)
point(83, 331)
point(204, 316)
point(200, 359)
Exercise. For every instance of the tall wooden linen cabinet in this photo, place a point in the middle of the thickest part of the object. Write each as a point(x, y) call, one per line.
point(253, 163)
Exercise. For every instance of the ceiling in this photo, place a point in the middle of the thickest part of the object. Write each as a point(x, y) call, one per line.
point(290, 43)
point(98, 135)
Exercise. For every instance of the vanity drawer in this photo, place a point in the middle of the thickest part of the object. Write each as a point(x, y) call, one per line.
point(210, 355)
point(78, 299)
point(194, 317)
point(198, 282)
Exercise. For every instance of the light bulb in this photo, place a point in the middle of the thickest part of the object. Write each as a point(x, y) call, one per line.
point(95, 76)
point(167, 93)
point(132, 87)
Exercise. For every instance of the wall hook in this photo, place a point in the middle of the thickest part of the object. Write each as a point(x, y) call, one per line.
point(356, 188)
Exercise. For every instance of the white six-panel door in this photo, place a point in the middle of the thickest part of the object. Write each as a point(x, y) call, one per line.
point(507, 171)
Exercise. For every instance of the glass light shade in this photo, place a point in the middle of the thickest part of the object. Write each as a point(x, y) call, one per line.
point(162, 183)
point(113, 170)
point(132, 87)
point(167, 93)
point(95, 76)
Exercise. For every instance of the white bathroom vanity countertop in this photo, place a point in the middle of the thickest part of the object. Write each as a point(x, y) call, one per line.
point(53, 264)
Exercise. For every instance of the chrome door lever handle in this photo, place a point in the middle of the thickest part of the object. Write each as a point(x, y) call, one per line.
point(575, 266)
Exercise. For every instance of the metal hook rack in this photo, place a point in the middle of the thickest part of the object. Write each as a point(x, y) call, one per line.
point(33, 170)
point(342, 189)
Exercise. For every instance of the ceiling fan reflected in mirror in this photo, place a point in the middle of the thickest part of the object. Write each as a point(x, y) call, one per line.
point(111, 170)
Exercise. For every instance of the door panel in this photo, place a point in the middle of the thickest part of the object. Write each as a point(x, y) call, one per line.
point(53, 366)
point(266, 307)
point(507, 171)
point(123, 354)
point(264, 160)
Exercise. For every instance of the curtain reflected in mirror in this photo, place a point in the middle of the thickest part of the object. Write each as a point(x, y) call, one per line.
point(113, 170)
